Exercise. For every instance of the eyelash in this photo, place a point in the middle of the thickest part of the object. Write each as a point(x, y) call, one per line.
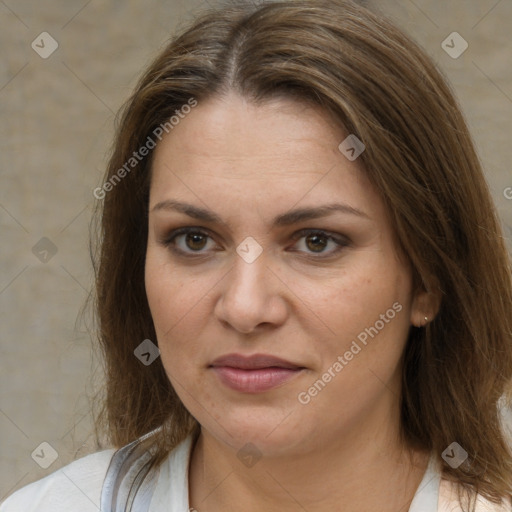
point(169, 241)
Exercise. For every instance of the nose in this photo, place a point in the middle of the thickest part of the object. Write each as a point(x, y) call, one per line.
point(252, 297)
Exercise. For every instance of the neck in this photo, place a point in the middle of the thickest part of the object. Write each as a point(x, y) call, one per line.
point(364, 470)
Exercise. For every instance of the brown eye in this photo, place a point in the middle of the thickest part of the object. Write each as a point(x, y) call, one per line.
point(188, 241)
point(316, 242)
point(322, 243)
point(195, 241)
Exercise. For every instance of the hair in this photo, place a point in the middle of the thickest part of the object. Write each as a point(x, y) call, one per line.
point(380, 85)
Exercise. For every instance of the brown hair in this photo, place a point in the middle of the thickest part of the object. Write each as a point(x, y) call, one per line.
point(419, 155)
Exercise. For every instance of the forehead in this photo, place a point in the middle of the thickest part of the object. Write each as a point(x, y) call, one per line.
point(282, 152)
point(230, 130)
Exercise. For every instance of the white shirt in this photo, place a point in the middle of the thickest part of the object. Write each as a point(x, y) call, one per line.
point(77, 487)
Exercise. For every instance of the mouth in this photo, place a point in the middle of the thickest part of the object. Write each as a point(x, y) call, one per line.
point(254, 374)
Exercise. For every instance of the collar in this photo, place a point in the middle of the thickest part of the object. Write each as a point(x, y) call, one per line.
point(171, 492)
point(426, 497)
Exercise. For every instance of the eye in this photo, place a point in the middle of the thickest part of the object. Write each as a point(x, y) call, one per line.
point(314, 241)
point(191, 242)
point(187, 241)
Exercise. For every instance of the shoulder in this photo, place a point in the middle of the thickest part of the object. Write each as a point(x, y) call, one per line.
point(448, 500)
point(76, 486)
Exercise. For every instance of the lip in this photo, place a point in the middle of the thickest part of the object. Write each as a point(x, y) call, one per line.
point(254, 374)
point(254, 362)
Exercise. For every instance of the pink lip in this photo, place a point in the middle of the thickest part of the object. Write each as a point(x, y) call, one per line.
point(254, 374)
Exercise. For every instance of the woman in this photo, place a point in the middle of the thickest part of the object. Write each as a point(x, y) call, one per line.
point(304, 298)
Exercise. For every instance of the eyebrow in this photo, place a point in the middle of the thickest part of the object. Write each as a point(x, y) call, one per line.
point(285, 219)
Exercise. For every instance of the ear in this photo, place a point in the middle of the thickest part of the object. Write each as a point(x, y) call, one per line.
point(425, 306)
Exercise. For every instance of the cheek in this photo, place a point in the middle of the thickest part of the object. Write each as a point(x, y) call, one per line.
point(179, 311)
point(353, 298)
point(367, 309)
point(175, 301)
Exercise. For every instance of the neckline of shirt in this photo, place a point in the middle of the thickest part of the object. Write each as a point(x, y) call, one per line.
point(171, 492)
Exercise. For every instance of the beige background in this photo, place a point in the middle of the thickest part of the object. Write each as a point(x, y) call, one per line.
point(56, 127)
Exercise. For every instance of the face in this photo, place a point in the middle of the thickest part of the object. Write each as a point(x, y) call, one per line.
point(280, 301)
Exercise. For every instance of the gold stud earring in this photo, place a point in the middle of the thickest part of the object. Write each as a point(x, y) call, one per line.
point(426, 321)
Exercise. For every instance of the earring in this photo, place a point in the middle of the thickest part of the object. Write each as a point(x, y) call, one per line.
point(426, 321)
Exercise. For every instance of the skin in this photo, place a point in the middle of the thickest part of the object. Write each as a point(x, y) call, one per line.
point(248, 164)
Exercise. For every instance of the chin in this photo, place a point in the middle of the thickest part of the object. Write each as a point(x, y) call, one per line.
point(272, 433)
